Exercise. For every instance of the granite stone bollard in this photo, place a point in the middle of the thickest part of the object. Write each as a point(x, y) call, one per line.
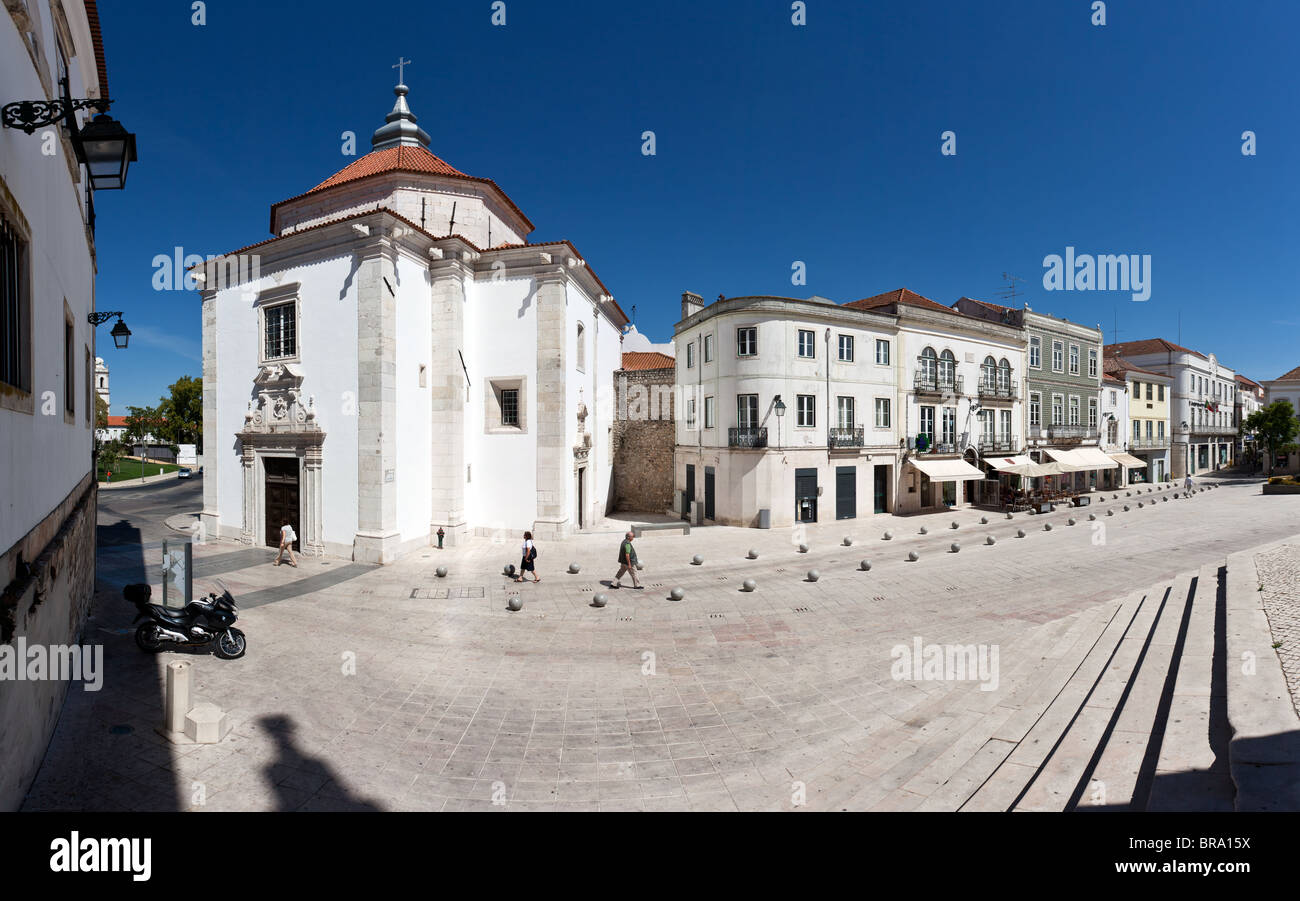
point(515, 603)
point(1047, 527)
point(1070, 521)
point(573, 568)
point(441, 572)
point(955, 547)
point(848, 541)
point(865, 566)
point(888, 536)
point(990, 540)
point(1011, 516)
point(813, 575)
point(1126, 508)
point(749, 585)
point(1020, 533)
point(697, 560)
point(984, 520)
point(953, 525)
point(1092, 517)
point(1110, 512)
point(752, 555)
point(677, 594)
point(803, 548)
point(599, 599)
point(924, 531)
point(913, 556)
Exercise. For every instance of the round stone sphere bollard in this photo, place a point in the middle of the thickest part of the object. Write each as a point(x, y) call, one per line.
point(573, 568)
point(955, 547)
point(984, 520)
point(1165, 499)
point(749, 585)
point(599, 599)
point(697, 560)
point(953, 525)
point(509, 570)
point(1047, 527)
point(813, 575)
point(752, 555)
point(1126, 508)
point(848, 541)
point(1020, 533)
point(1070, 521)
point(1092, 517)
point(865, 566)
point(677, 594)
point(924, 530)
point(1114, 497)
point(888, 536)
point(1141, 504)
point(1110, 512)
point(441, 572)
point(990, 541)
point(803, 548)
point(1128, 493)
point(1010, 516)
point(913, 556)
point(515, 603)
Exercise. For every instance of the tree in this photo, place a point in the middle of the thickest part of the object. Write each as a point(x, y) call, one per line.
point(143, 424)
point(182, 412)
point(1274, 426)
point(101, 413)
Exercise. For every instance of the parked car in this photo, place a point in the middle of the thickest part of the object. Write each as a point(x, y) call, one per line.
point(183, 473)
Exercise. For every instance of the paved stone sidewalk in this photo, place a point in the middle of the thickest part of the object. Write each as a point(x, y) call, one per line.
point(389, 688)
point(1279, 573)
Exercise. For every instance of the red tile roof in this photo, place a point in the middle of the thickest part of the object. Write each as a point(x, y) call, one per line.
point(1114, 379)
point(992, 306)
point(115, 421)
point(1118, 365)
point(97, 41)
point(1149, 346)
point(901, 295)
point(1252, 383)
point(636, 360)
point(1293, 375)
point(403, 158)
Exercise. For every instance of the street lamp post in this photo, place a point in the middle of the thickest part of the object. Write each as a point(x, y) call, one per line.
point(103, 146)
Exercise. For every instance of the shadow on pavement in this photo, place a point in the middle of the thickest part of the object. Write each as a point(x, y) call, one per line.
point(298, 778)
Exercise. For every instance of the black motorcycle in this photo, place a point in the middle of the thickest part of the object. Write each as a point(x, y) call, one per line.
point(201, 622)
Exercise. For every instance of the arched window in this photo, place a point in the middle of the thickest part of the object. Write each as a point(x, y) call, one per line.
point(947, 367)
point(928, 364)
point(582, 348)
point(988, 372)
point(1004, 374)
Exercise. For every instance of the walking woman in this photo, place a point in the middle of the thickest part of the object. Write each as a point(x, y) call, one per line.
point(528, 563)
point(287, 538)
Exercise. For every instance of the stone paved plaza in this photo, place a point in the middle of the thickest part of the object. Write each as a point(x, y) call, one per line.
point(1279, 573)
point(390, 688)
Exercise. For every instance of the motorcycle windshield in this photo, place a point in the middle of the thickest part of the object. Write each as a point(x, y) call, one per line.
point(224, 594)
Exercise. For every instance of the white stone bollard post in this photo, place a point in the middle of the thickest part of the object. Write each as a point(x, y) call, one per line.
point(177, 696)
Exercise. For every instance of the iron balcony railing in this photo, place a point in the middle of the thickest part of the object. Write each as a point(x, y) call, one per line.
point(847, 437)
point(997, 389)
point(747, 437)
point(925, 444)
point(938, 383)
point(1072, 432)
point(1214, 430)
point(999, 444)
point(1147, 443)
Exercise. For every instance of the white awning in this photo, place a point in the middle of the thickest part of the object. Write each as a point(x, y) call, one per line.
point(1128, 461)
point(1006, 463)
point(1037, 470)
point(1081, 459)
point(947, 470)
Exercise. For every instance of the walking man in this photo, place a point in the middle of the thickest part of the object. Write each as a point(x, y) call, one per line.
point(626, 562)
point(287, 538)
point(1187, 482)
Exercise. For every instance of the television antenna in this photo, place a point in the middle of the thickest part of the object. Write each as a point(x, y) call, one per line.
point(1010, 292)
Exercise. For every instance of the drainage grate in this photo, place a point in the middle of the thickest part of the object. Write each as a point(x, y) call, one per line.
point(625, 619)
point(443, 594)
point(879, 597)
point(587, 590)
point(803, 610)
point(780, 570)
point(951, 588)
point(722, 578)
point(717, 616)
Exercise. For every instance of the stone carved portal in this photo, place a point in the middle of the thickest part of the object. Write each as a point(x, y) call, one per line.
point(278, 424)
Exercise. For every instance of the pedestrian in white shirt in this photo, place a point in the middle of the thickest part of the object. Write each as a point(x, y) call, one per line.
point(287, 538)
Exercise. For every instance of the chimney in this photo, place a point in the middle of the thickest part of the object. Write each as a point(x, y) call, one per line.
point(691, 304)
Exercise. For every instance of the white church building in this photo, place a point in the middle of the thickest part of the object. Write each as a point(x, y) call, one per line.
point(399, 359)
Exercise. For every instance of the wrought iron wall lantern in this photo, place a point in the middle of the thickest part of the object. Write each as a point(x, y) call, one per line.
point(103, 145)
point(121, 334)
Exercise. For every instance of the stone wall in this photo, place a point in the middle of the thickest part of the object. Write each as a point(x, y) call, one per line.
point(643, 441)
point(45, 600)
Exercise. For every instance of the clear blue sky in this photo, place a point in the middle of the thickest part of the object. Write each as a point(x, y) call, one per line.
point(775, 143)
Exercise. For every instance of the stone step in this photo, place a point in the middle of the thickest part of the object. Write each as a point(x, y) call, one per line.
point(1108, 741)
point(1192, 772)
point(1033, 730)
